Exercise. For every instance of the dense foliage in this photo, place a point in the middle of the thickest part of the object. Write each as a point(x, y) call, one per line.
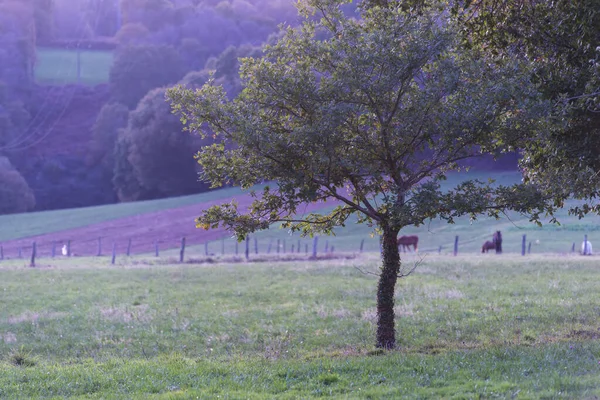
point(561, 39)
point(371, 112)
point(15, 194)
point(139, 69)
point(154, 157)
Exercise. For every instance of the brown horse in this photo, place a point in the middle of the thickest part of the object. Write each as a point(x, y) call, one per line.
point(407, 241)
point(488, 246)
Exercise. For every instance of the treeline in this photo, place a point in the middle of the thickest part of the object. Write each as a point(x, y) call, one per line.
point(134, 148)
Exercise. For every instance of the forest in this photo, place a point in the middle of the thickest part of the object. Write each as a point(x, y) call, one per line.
point(84, 119)
point(106, 134)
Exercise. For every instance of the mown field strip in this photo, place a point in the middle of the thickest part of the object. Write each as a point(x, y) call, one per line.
point(468, 326)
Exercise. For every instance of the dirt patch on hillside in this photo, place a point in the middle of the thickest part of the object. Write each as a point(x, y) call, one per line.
point(163, 227)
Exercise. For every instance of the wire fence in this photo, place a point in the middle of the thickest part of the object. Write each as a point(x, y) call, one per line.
point(252, 248)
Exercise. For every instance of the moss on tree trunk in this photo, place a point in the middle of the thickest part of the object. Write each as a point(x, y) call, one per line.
point(386, 332)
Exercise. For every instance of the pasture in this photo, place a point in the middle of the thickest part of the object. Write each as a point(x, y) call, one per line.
point(143, 221)
point(473, 326)
point(59, 66)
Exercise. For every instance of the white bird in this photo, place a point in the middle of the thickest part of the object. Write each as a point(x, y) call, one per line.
point(64, 250)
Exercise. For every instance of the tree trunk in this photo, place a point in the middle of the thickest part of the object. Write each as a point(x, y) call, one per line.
point(386, 332)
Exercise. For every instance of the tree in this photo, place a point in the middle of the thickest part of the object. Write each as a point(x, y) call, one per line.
point(132, 34)
point(15, 194)
point(372, 112)
point(17, 45)
point(158, 154)
point(14, 120)
point(139, 69)
point(562, 40)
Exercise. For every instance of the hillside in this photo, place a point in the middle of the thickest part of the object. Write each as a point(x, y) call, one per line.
point(166, 221)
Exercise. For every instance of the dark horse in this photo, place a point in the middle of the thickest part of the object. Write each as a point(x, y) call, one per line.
point(407, 241)
point(488, 246)
point(496, 243)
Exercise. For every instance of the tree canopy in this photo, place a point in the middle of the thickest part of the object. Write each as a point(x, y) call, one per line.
point(561, 39)
point(373, 112)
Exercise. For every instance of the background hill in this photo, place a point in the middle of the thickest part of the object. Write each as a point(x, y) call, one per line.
point(165, 222)
point(75, 90)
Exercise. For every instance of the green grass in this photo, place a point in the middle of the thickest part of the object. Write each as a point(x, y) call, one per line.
point(436, 233)
point(59, 67)
point(468, 327)
point(14, 226)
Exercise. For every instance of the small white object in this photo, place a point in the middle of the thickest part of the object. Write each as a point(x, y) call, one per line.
point(586, 248)
point(64, 250)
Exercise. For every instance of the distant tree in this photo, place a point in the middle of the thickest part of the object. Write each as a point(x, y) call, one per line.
point(102, 16)
point(43, 12)
point(154, 157)
point(139, 69)
point(15, 194)
point(373, 111)
point(154, 14)
point(132, 34)
point(18, 42)
point(14, 119)
point(70, 21)
point(193, 54)
point(125, 182)
point(112, 117)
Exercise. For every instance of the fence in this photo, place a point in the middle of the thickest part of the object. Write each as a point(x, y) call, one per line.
point(251, 247)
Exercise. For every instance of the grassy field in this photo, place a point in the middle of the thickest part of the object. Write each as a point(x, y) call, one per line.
point(59, 67)
point(468, 327)
point(16, 226)
point(548, 239)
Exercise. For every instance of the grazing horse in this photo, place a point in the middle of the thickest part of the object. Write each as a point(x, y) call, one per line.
point(407, 241)
point(488, 246)
point(498, 241)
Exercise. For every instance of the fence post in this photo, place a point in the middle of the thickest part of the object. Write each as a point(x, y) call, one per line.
point(255, 245)
point(314, 251)
point(306, 248)
point(573, 248)
point(362, 243)
point(53, 249)
point(326, 246)
point(20, 254)
point(456, 245)
point(277, 246)
point(99, 247)
point(156, 248)
point(284, 249)
point(129, 247)
point(33, 253)
point(206, 249)
point(440, 250)
point(523, 244)
point(298, 246)
point(247, 248)
point(182, 251)
point(68, 248)
point(1, 253)
point(114, 253)
point(293, 249)
point(585, 246)
point(332, 248)
point(529, 248)
point(223, 246)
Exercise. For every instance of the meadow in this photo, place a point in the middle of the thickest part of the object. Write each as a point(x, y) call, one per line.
point(59, 66)
point(468, 327)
